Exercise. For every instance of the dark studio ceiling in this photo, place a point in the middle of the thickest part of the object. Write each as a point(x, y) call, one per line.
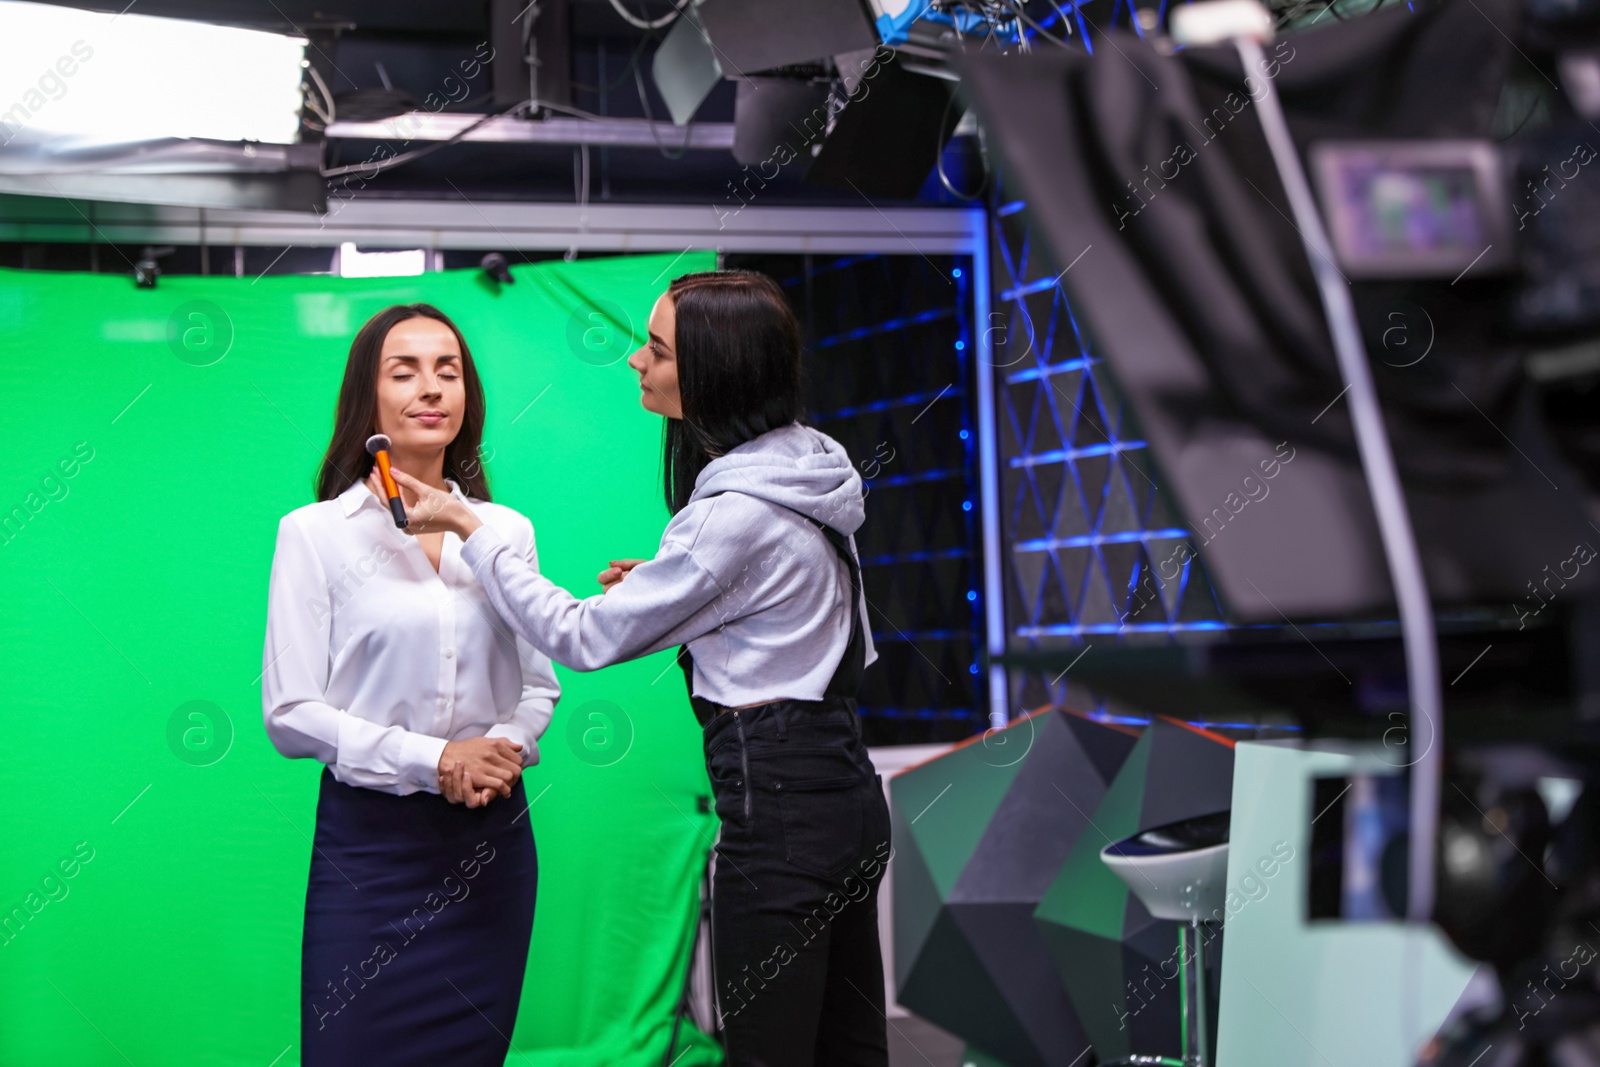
point(385, 57)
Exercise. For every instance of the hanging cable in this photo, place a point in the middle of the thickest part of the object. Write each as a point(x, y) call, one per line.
point(627, 71)
point(938, 164)
point(316, 109)
point(576, 112)
point(644, 102)
point(649, 24)
point(1017, 6)
point(580, 194)
point(328, 112)
point(373, 167)
point(1062, 15)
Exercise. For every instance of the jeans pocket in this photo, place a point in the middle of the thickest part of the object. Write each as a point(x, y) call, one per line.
point(822, 823)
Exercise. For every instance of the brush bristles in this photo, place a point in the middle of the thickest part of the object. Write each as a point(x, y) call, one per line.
point(378, 442)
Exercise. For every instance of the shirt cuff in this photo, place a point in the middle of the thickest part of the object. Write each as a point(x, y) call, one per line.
point(419, 760)
point(481, 544)
point(512, 732)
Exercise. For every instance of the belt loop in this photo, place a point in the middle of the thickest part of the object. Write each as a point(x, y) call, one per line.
point(778, 718)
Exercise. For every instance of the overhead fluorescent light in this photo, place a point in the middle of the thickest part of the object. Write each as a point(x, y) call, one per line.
point(357, 264)
point(116, 78)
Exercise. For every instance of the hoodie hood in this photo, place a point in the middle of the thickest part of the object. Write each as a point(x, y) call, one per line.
point(796, 467)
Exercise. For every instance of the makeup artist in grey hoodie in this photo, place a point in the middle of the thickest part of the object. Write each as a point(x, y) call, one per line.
point(757, 582)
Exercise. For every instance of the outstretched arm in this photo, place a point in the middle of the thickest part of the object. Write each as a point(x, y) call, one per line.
point(665, 601)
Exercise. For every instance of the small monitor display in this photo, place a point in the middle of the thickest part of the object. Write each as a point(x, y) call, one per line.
point(1413, 209)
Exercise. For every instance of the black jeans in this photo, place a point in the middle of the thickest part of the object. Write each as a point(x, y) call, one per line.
point(794, 912)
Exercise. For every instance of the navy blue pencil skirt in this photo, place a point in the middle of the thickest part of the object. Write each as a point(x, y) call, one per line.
point(418, 915)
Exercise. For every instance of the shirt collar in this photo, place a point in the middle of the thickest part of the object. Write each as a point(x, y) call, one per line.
point(359, 496)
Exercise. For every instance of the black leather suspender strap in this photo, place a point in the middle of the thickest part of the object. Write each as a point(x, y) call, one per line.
point(846, 678)
point(704, 710)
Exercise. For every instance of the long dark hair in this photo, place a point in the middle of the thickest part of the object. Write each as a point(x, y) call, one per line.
point(738, 353)
point(347, 460)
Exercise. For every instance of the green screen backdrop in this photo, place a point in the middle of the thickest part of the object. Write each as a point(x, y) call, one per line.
point(153, 874)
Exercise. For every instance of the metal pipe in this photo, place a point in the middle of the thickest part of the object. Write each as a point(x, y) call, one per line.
point(508, 129)
point(989, 476)
point(1383, 483)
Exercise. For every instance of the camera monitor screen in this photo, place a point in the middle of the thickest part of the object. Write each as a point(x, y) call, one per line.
point(1413, 209)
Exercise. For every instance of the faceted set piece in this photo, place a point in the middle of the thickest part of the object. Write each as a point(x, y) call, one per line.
point(1009, 931)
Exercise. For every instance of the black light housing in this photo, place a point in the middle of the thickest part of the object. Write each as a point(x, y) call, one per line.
point(147, 270)
point(497, 269)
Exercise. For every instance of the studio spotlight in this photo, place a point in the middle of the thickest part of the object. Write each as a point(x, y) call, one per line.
point(759, 35)
point(496, 269)
point(888, 136)
point(252, 79)
point(147, 270)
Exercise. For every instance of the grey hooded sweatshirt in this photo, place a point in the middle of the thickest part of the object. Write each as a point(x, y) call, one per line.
point(755, 589)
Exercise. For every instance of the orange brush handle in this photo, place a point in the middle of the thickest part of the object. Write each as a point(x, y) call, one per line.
point(388, 479)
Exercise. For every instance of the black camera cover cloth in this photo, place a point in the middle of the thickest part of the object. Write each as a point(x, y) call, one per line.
point(1195, 287)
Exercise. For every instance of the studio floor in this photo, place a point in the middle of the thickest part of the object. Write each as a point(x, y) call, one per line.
point(915, 1042)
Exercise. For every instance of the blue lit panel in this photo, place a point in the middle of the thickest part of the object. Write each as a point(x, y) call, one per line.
point(891, 377)
point(1093, 547)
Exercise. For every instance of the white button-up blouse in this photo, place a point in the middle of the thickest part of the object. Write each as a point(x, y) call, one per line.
point(373, 661)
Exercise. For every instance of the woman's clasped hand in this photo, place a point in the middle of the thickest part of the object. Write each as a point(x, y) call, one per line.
point(473, 770)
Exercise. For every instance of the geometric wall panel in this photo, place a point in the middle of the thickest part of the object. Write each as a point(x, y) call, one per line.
point(980, 834)
point(1119, 965)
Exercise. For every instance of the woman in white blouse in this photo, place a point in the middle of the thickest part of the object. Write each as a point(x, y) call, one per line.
point(758, 582)
point(385, 661)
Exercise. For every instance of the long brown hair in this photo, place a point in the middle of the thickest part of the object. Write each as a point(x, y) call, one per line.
point(347, 460)
point(739, 371)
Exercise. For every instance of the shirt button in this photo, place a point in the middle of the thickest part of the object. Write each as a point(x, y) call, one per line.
point(449, 652)
point(443, 702)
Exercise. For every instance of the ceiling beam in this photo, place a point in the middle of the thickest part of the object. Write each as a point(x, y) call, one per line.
point(452, 224)
point(631, 133)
